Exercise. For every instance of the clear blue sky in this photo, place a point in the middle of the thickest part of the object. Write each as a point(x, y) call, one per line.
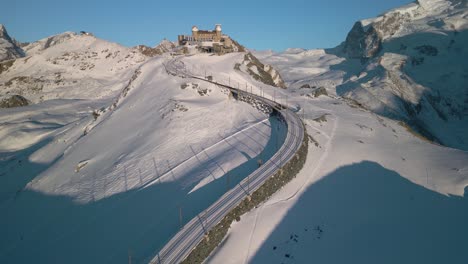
point(257, 24)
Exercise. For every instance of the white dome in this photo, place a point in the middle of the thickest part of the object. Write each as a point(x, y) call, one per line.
point(194, 28)
point(218, 27)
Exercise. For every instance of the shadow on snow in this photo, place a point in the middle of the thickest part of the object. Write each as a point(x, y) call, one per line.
point(40, 228)
point(365, 213)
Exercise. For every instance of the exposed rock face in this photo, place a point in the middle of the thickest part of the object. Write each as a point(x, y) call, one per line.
point(362, 44)
point(13, 101)
point(148, 51)
point(390, 23)
point(4, 66)
point(165, 46)
point(262, 72)
point(8, 46)
point(161, 48)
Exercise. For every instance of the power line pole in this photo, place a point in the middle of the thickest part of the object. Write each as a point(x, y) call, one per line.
point(248, 184)
point(303, 114)
point(180, 216)
point(156, 170)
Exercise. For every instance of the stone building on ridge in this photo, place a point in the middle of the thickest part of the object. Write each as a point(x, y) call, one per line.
point(211, 41)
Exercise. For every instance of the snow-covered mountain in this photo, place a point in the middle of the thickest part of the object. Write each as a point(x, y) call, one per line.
point(113, 153)
point(372, 190)
point(407, 64)
point(111, 138)
point(69, 66)
point(414, 68)
point(9, 48)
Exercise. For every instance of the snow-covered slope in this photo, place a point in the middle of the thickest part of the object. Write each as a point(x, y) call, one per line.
point(114, 151)
point(299, 67)
point(372, 190)
point(70, 66)
point(98, 177)
point(414, 68)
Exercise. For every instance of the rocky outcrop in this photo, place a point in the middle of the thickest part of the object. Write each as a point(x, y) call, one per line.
point(148, 51)
point(9, 48)
point(391, 23)
point(13, 101)
point(261, 72)
point(163, 47)
point(362, 43)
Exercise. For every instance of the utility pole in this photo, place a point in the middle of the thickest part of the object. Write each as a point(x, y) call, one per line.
point(303, 114)
point(129, 257)
point(156, 170)
point(277, 134)
point(125, 178)
point(141, 179)
point(180, 216)
point(427, 178)
point(248, 184)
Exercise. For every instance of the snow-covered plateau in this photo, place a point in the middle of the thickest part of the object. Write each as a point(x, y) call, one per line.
point(107, 155)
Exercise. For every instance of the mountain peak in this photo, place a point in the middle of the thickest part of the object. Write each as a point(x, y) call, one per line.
point(3, 32)
point(8, 48)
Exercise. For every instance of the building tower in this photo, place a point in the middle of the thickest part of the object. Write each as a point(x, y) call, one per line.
point(218, 32)
point(195, 33)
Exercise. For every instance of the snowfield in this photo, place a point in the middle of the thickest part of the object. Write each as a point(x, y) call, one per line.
point(369, 192)
point(113, 155)
point(95, 178)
